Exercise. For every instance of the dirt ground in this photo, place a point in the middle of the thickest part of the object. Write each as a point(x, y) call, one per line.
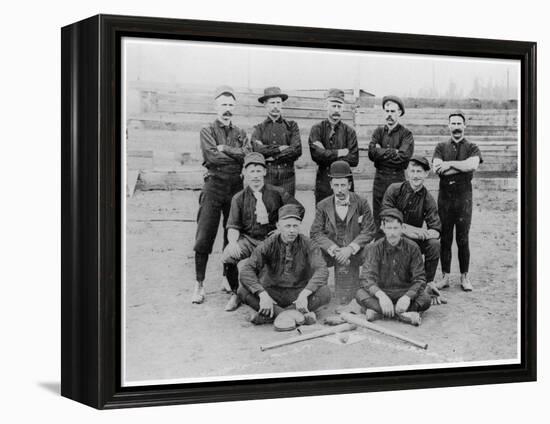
point(169, 338)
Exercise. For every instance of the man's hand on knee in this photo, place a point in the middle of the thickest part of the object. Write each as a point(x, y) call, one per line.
point(385, 304)
point(266, 304)
point(402, 304)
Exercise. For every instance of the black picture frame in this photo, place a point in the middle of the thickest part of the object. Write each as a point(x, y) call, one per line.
point(91, 210)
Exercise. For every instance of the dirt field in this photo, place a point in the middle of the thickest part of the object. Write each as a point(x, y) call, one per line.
point(168, 337)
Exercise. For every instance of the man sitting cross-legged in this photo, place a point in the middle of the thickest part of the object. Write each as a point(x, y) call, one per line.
point(392, 279)
point(285, 271)
point(253, 216)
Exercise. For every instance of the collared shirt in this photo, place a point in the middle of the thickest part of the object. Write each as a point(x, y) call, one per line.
point(341, 209)
point(416, 206)
point(236, 143)
point(396, 270)
point(333, 138)
point(272, 134)
point(275, 263)
point(396, 148)
point(242, 215)
point(452, 151)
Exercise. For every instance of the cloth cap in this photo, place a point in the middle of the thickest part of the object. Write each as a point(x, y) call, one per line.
point(458, 112)
point(392, 213)
point(340, 169)
point(254, 158)
point(394, 99)
point(335, 95)
point(291, 211)
point(270, 92)
point(422, 161)
point(224, 89)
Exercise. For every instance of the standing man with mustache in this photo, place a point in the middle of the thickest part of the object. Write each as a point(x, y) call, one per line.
point(253, 217)
point(223, 147)
point(391, 147)
point(418, 206)
point(455, 162)
point(278, 140)
point(332, 140)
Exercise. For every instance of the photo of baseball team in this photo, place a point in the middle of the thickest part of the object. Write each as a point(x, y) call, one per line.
point(285, 223)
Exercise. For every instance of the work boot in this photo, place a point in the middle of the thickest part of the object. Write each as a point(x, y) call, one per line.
point(310, 318)
point(444, 282)
point(233, 303)
point(225, 286)
point(465, 283)
point(198, 293)
point(412, 318)
point(372, 315)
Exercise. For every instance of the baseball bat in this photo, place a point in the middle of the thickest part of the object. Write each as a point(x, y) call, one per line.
point(361, 322)
point(313, 335)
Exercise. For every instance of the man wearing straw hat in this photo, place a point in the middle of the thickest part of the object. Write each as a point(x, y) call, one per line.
point(278, 140)
point(390, 149)
point(342, 227)
point(223, 147)
point(332, 140)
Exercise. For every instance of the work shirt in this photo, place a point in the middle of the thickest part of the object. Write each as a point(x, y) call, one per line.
point(396, 148)
point(230, 161)
point(274, 263)
point(453, 151)
point(269, 135)
point(396, 270)
point(242, 215)
point(416, 206)
point(341, 136)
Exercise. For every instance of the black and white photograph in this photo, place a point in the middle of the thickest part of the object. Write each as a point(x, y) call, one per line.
point(292, 211)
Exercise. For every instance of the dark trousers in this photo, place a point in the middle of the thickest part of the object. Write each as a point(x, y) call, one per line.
point(214, 201)
point(282, 176)
point(455, 211)
point(421, 303)
point(382, 180)
point(430, 249)
point(285, 296)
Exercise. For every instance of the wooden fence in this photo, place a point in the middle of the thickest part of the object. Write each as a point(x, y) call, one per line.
point(163, 131)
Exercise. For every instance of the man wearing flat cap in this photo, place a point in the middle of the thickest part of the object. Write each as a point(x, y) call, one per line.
point(253, 217)
point(390, 149)
point(223, 147)
point(342, 227)
point(392, 279)
point(418, 207)
point(332, 140)
point(278, 140)
point(455, 161)
point(286, 271)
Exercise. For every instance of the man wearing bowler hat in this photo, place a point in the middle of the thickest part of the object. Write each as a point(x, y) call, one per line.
point(390, 149)
point(286, 271)
point(332, 140)
point(342, 227)
point(253, 216)
point(392, 279)
point(278, 140)
point(223, 147)
point(455, 161)
point(418, 206)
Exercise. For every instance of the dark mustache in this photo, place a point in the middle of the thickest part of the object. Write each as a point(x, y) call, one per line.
point(227, 114)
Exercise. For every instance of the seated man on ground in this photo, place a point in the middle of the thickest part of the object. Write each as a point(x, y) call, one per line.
point(286, 271)
point(342, 227)
point(418, 206)
point(253, 216)
point(393, 279)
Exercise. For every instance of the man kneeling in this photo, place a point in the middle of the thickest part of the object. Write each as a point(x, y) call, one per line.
point(393, 279)
point(285, 278)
